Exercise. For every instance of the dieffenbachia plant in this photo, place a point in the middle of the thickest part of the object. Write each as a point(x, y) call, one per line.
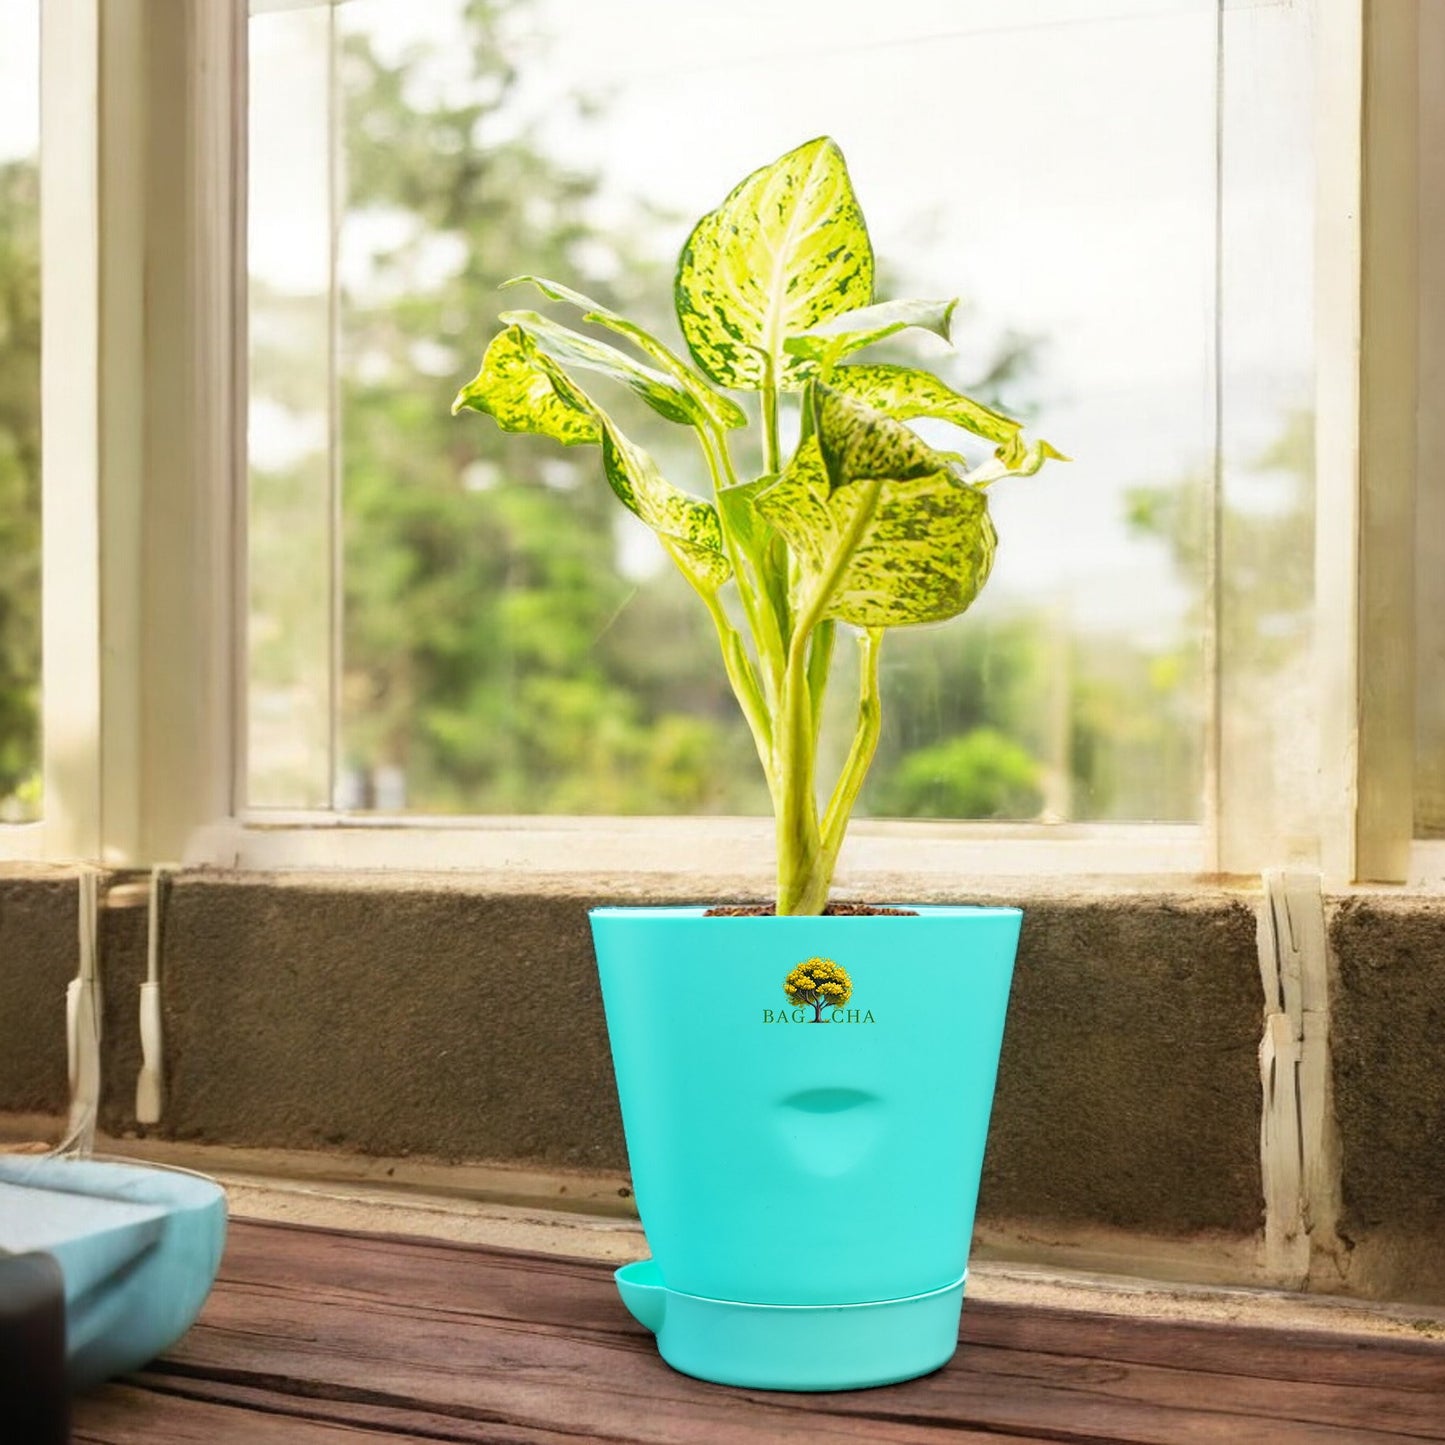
point(863, 524)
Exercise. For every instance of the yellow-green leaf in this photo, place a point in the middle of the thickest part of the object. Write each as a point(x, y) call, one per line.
point(858, 442)
point(524, 393)
point(889, 552)
point(687, 527)
point(664, 395)
point(904, 392)
point(722, 409)
point(1017, 460)
point(787, 250)
point(853, 330)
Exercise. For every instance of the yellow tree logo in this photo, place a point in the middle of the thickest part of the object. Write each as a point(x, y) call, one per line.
point(819, 983)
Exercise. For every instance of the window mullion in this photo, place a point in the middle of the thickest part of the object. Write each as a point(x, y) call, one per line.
point(1365, 436)
point(71, 399)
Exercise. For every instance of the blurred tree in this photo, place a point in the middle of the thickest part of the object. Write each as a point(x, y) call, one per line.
point(502, 650)
point(492, 649)
point(979, 774)
point(19, 491)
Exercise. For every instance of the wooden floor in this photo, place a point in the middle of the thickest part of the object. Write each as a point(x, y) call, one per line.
point(316, 1336)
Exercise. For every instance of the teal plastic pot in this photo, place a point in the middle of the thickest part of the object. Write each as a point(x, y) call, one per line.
point(806, 1173)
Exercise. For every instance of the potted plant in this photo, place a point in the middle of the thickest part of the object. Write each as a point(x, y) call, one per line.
point(805, 1092)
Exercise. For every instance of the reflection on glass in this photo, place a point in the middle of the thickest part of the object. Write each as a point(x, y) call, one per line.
point(511, 643)
point(290, 508)
point(20, 794)
point(1267, 760)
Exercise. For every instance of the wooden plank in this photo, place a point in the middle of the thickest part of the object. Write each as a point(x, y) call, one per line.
point(334, 1334)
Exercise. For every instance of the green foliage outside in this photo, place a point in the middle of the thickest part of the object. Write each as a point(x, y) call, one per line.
point(493, 651)
point(493, 654)
point(19, 492)
point(979, 774)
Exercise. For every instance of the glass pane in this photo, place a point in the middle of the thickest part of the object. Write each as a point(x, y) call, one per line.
point(512, 642)
point(19, 410)
point(1268, 757)
point(290, 430)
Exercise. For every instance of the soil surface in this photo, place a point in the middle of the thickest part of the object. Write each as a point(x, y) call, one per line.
point(833, 910)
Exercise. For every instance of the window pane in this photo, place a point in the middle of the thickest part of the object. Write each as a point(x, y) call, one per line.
point(290, 432)
point(1268, 760)
point(512, 642)
point(19, 410)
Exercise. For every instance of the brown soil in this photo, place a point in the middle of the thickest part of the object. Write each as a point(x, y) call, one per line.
point(833, 910)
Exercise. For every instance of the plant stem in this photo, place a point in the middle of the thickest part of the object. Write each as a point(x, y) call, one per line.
point(772, 447)
point(805, 868)
point(820, 662)
point(756, 607)
point(802, 887)
point(860, 755)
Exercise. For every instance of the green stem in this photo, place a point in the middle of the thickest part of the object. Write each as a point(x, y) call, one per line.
point(802, 887)
point(757, 606)
point(805, 869)
point(772, 446)
point(820, 662)
point(860, 755)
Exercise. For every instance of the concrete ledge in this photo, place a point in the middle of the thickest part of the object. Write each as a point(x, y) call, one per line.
point(1388, 1047)
point(456, 1018)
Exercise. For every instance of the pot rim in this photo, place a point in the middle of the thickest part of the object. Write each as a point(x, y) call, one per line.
point(699, 910)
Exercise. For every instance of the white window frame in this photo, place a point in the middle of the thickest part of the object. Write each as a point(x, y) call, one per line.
point(141, 112)
point(144, 587)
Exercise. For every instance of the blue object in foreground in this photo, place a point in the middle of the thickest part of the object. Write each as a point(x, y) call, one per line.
point(806, 1102)
point(138, 1248)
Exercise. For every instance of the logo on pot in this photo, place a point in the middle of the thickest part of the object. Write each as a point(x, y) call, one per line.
point(822, 986)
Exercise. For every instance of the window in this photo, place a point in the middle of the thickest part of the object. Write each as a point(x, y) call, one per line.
point(479, 630)
point(432, 623)
point(20, 787)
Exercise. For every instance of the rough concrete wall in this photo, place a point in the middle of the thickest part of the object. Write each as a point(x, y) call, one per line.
point(38, 954)
point(1129, 1090)
point(1387, 1038)
point(461, 1018)
point(412, 1019)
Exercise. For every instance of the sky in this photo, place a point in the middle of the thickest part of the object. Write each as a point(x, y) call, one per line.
point(19, 78)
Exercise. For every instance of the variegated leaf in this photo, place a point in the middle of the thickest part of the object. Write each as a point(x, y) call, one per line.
point(924, 546)
point(661, 393)
point(739, 507)
point(787, 250)
point(723, 409)
point(925, 556)
point(685, 525)
point(1019, 460)
point(525, 390)
point(524, 393)
point(859, 442)
point(853, 330)
point(904, 392)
